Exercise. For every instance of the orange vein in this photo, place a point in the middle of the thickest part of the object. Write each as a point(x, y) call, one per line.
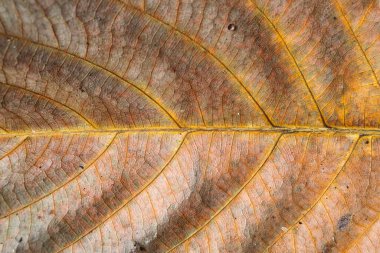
point(294, 61)
point(318, 199)
point(209, 53)
point(362, 234)
point(129, 199)
point(319, 130)
point(3, 129)
point(230, 200)
point(14, 148)
point(357, 41)
point(66, 183)
point(98, 67)
point(51, 100)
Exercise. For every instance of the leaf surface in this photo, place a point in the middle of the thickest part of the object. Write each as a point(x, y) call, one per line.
point(189, 126)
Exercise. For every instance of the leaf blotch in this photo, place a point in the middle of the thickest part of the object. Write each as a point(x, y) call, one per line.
point(344, 221)
point(138, 247)
point(328, 247)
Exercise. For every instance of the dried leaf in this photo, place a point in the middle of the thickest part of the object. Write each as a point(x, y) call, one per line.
point(189, 126)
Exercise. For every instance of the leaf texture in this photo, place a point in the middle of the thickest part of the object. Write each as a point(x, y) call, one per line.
point(189, 126)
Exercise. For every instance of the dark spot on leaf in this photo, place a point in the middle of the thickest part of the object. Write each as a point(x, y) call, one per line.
point(235, 164)
point(232, 27)
point(20, 240)
point(81, 166)
point(137, 246)
point(344, 221)
point(367, 141)
point(327, 248)
point(300, 222)
point(347, 186)
point(334, 18)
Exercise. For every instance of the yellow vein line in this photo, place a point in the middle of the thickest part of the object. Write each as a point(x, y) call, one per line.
point(377, 216)
point(130, 198)
point(63, 185)
point(99, 67)
point(51, 100)
point(318, 199)
point(339, 7)
point(365, 15)
point(319, 130)
point(5, 130)
point(208, 52)
point(14, 148)
point(230, 200)
point(294, 61)
point(366, 230)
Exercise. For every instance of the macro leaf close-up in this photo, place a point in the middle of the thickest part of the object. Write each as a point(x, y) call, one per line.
point(226, 126)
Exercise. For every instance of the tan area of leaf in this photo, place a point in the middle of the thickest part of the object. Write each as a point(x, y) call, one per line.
point(189, 126)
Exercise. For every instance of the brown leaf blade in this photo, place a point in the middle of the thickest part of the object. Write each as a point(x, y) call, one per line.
point(189, 126)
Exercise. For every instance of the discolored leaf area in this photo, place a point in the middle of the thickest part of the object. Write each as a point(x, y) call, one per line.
point(189, 126)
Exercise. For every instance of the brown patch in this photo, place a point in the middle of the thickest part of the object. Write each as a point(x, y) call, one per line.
point(328, 247)
point(138, 247)
point(344, 221)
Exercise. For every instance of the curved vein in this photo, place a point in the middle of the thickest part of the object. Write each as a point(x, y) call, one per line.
point(4, 130)
point(66, 183)
point(318, 199)
point(53, 101)
point(14, 148)
point(209, 53)
point(362, 234)
point(293, 59)
point(130, 198)
point(98, 67)
point(230, 200)
point(339, 7)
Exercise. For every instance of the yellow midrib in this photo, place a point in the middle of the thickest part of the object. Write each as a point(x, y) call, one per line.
point(343, 130)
